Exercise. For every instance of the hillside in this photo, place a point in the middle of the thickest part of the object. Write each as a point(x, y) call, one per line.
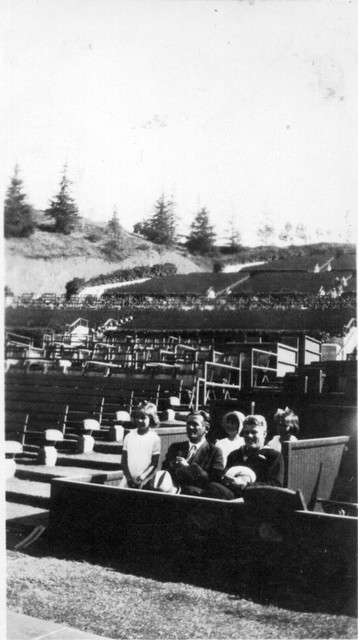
point(46, 261)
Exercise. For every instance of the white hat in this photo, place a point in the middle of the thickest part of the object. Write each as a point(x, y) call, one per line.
point(240, 470)
point(163, 482)
point(239, 417)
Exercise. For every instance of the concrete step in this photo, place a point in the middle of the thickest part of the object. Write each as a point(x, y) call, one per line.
point(41, 473)
point(113, 448)
point(94, 460)
point(26, 456)
point(64, 446)
point(181, 414)
point(36, 494)
point(26, 514)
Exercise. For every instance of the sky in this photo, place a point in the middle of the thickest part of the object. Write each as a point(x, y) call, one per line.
point(247, 108)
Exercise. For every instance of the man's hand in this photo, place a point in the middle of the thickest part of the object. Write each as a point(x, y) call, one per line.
point(133, 483)
point(235, 483)
point(181, 462)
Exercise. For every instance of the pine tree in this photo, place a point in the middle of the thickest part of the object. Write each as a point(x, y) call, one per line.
point(265, 233)
point(18, 217)
point(301, 232)
point(202, 235)
point(233, 235)
point(63, 209)
point(287, 233)
point(161, 226)
point(113, 226)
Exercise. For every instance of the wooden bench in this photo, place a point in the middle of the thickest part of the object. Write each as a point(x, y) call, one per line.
point(44, 398)
point(74, 418)
point(36, 425)
point(313, 466)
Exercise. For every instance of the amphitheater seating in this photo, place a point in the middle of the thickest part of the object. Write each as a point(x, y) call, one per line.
point(324, 377)
point(67, 400)
point(37, 425)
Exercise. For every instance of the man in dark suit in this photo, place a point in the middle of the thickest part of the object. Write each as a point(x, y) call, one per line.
point(195, 463)
point(266, 464)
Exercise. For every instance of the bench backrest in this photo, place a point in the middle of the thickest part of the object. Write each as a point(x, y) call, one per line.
point(168, 435)
point(312, 466)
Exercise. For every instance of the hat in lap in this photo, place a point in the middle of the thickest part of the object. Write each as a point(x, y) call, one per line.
point(163, 482)
point(239, 471)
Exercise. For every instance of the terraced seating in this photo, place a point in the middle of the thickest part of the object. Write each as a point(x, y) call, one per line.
point(35, 402)
point(77, 414)
point(38, 423)
point(324, 377)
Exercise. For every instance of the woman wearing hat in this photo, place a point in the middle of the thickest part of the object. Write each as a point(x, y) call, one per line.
point(232, 424)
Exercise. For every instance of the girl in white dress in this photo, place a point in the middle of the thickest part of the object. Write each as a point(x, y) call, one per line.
point(141, 448)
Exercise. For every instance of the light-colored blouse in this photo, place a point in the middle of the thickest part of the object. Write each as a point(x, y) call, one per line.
point(227, 446)
point(276, 444)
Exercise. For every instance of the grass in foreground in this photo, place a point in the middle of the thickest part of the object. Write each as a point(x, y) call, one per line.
point(106, 601)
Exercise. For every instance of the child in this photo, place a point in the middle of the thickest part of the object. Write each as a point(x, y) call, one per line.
point(232, 425)
point(141, 448)
point(287, 425)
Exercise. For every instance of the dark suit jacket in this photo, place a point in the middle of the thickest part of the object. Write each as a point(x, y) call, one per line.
point(206, 466)
point(267, 463)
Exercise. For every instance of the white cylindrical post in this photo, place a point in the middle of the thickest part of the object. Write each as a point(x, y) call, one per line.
point(10, 467)
point(116, 433)
point(47, 455)
point(169, 415)
point(85, 444)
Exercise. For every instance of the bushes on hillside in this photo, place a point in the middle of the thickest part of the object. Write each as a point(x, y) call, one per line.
point(135, 273)
point(257, 254)
point(74, 287)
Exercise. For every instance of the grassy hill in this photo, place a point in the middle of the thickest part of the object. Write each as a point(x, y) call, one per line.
point(46, 261)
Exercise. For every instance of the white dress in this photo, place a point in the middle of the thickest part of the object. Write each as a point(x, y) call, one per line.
point(227, 446)
point(140, 449)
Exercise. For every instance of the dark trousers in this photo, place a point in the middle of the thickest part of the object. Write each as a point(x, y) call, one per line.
point(218, 491)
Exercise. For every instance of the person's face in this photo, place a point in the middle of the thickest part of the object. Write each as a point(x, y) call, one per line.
point(195, 429)
point(141, 421)
point(231, 426)
point(284, 428)
point(254, 436)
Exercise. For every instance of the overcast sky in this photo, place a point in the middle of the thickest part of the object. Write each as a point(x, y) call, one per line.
point(246, 108)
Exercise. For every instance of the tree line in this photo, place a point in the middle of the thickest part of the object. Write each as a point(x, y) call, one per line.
point(161, 227)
